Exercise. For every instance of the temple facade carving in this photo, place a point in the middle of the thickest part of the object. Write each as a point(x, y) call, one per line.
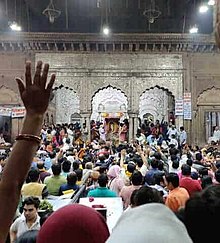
point(146, 72)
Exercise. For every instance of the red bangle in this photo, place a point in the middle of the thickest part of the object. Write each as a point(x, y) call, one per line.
point(28, 137)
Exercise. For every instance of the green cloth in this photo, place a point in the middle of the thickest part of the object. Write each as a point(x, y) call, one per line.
point(101, 192)
point(53, 184)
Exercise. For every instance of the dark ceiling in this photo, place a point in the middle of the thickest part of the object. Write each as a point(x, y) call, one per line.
point(123, 16)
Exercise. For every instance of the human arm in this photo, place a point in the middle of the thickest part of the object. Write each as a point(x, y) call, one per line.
point(122, 159)
point(35, 95)
point(13, 236)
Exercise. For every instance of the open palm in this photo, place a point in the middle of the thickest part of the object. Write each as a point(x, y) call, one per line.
point(35, 93)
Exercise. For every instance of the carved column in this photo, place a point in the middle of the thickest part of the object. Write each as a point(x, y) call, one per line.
point(135, 125)
point(86, 119)
point(131, 128)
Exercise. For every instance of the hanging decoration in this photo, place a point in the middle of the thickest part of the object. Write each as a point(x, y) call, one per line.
point(51, 12)
point(152, 12)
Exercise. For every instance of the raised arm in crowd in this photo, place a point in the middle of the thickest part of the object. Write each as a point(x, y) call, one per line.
point(35, 94)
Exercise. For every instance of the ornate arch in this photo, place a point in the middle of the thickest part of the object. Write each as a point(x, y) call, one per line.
point(8, 96)
point(67, 102)
point(157, 101)
point(209, 96)
point(108, 99)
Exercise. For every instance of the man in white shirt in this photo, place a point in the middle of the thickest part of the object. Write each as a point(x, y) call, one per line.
point(29, 220)
point(182, 137)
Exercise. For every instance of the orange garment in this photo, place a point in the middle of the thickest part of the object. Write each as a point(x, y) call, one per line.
point(177, 198)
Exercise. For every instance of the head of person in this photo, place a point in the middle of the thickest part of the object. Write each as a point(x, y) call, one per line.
point(95, 175)
point(131, 166)
point(189, 162)
point(186, 170)
point(206, 181)
point(74, 221)
point(162, 226)
point(56, 169)
point(66, 165)
point(172, 180)
point(114, 171)
point(147, 194)
point(103, 180)
point(29, 236)
point(75, 165)
point(79, 174)
point(198, 156)
point(89, 165)
point(40, 165)
point(136, 178)
point(201, 213)
point(154, 163)
point(71, 178)
point(181, 128)
point(33, 175)
point(30, 207)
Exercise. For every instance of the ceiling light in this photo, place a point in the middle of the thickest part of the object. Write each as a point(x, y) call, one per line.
point(14, 26)
point(203, 8)
point(106, 31)
point(211, 2)
point(193, 30)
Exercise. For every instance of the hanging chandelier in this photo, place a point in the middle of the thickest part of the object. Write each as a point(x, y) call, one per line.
point(152, 12)
point(51, 12)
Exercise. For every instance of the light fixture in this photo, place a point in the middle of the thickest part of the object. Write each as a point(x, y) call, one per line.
point(193, 30)
point(152, 12)
point(106, 30)
point(203, 8)
point(211, 2)
point(51, 12)
point(14, 26)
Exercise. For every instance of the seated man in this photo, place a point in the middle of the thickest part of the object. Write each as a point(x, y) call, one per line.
point(102, 190)
point(34, 187)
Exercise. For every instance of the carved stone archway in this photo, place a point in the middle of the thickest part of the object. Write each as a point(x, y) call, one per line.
point(158, 102)
point(67, 103)
point(8, 96)
point(108, 100)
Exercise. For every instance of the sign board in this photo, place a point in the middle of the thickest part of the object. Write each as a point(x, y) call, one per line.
point(17, 112)
point(187, 106)
point(179, 107)
point(5, 111)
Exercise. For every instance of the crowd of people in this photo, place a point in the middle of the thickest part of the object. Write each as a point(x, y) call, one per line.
point(170, 189)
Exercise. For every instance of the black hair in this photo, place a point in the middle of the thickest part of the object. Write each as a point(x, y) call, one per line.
point(31, 201)
point(71, 178)
point(33, 175)
point(103, 180)
point(136, 178)
point(172, 178)
point(147, 194)
point(186, 170)
point(29, 236)
point(56, 169)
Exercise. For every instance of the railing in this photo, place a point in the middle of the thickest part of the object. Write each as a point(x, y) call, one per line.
point(77, 194)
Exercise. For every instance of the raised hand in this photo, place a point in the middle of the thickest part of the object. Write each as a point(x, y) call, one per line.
point(35, 93)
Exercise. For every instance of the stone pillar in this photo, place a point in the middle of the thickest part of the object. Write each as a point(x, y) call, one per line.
point(86, 119)
point(88, 126)
point(131, 129)
point(135, 125)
